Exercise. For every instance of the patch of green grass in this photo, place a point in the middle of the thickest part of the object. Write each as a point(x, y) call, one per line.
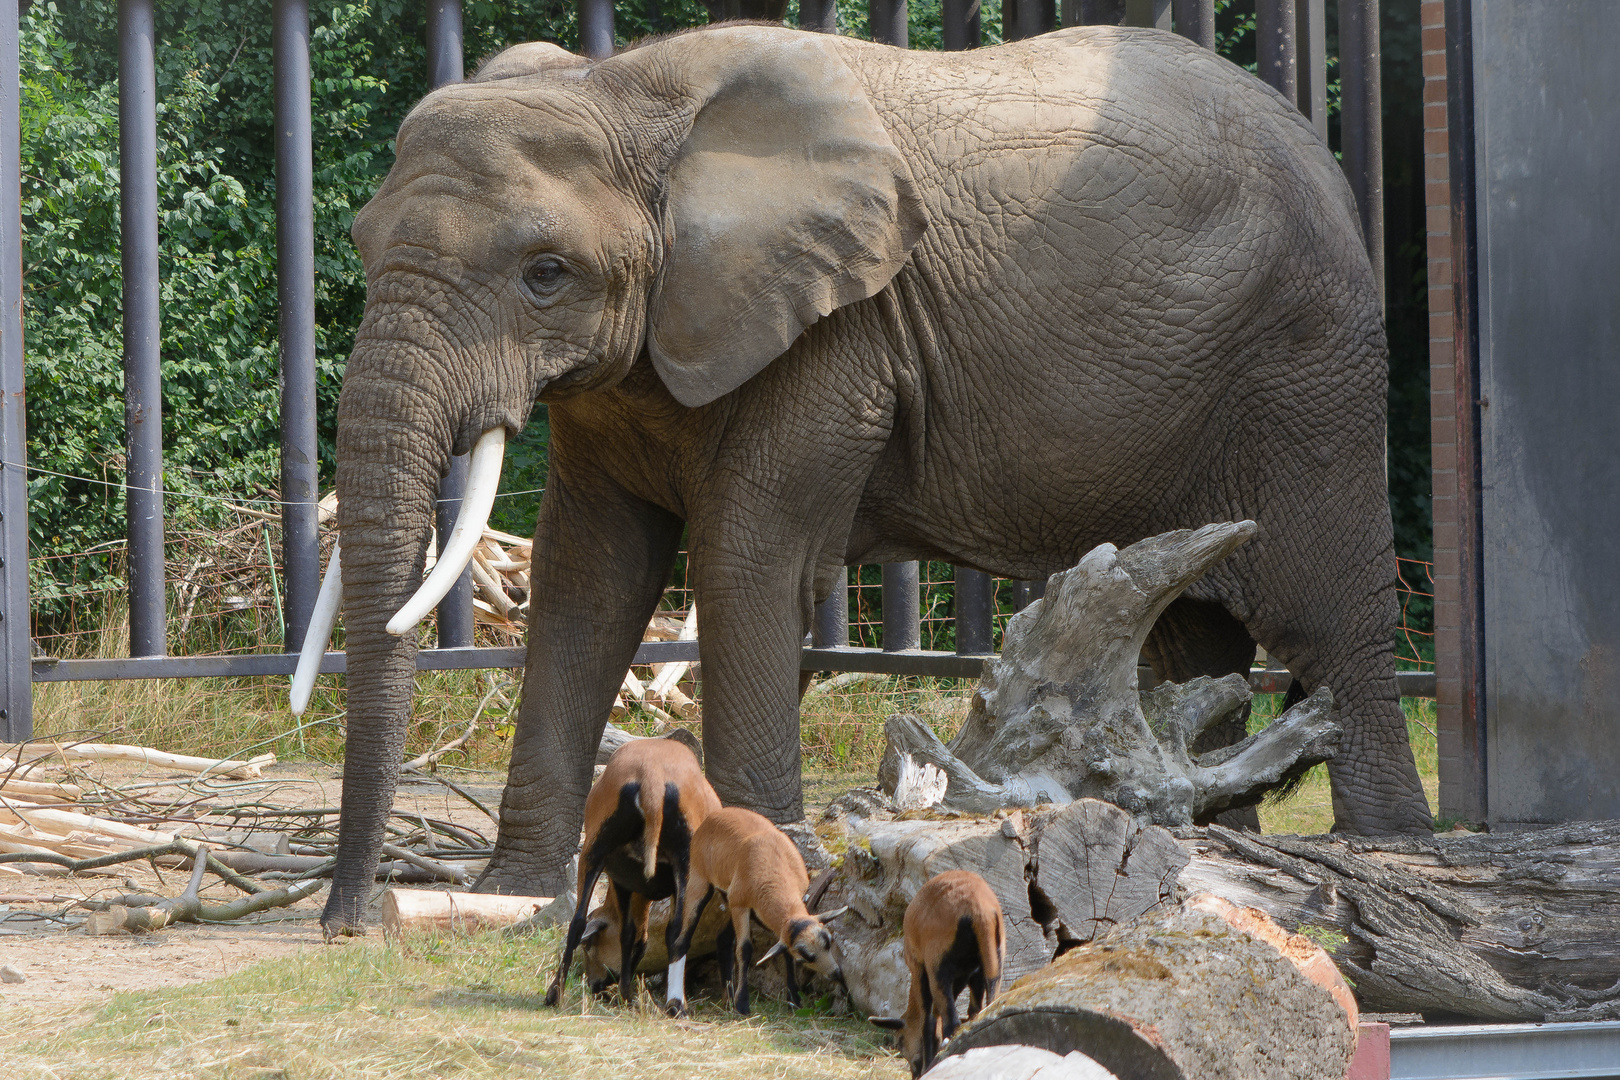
point(434, 1007)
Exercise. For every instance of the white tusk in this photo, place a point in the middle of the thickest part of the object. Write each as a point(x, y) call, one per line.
point(321, 622)
point(483, 478)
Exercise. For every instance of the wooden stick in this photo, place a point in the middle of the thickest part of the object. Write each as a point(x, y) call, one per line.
point(405, 910)
point(62, 822)
point(241, 770)
point(665, 676)
point(40, 793)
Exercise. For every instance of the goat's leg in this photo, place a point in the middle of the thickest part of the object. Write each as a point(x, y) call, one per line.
point(745, 956)
point(792, 980)
point(976, 989)
point(679, 942)
point(632, 938)
point(576, 930)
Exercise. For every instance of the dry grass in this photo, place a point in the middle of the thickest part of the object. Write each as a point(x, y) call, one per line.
point(430, 1008)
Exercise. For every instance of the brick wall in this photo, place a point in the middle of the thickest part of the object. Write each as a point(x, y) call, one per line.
point(1459, 787)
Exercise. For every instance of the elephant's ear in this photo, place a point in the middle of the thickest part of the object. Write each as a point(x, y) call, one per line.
point(785, 200)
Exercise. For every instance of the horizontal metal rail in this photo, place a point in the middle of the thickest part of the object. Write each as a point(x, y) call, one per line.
point(925, 662)
point(1506, 1051)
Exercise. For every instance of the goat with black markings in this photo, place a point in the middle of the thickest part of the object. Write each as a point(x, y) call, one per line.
point(640, 819)
point(954, 939)
point(754, 865)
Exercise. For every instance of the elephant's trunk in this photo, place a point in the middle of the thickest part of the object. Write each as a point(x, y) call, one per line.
point(394, 440)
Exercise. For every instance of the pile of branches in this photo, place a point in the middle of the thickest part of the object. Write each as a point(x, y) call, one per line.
point(222, 818)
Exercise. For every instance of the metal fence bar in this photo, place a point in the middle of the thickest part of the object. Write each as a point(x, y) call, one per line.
point(1154, 13)
point(295, 286)
point(819, 15)
point(959, 24)
point(16, 690)
point(1310, 48)
point(902, 628)
point(1195, 19)
point(975, 614)
point(1361, 123)
point(1093, 12)
point(455, 611)
point(831, 629)
point(596, 28)
point(1026, 593)
point(143, 373)
point(889, 21)
point(1274, 27)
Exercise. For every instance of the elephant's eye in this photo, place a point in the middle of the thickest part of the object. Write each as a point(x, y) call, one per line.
point(544, 277)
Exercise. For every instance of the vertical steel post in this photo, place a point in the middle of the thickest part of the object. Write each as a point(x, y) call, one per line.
point(889, 21)
point(1152, 13)
point(819, 15)
point(959, 24)
point(295, 286)
point(1026, 593)
point(1361, 122)
point(901, 627)
point(444, 52)
point(1032, 17)
point(975, 612)
point(1195, 19)
point(16, 687)
point(1094, 12)
point(455, 611)
point(1310, 46)
point(831, 629)
point(143, 371)
point(596, 28)
point(1274, 46)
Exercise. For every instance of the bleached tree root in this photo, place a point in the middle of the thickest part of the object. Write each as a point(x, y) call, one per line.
point(1058, 716)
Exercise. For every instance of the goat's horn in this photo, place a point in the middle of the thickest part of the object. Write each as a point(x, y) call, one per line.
point(321, 622)
point(483, 478)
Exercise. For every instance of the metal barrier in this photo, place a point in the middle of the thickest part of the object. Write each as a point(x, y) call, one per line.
point(1300, 74)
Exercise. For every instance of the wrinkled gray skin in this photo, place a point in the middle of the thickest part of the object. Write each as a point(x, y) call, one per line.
point(829, 302)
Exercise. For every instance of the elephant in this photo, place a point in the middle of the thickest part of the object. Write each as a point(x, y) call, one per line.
point(821, 302)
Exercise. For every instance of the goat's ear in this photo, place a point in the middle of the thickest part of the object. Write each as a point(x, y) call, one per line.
point(773, 951)
point(592, 928)
point(829, 916)
point(785, 200)
point(889, 1023)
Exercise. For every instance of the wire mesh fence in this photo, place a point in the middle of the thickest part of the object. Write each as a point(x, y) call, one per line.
point(226, 597)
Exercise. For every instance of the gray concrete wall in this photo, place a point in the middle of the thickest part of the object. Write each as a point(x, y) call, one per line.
point(1547, 145)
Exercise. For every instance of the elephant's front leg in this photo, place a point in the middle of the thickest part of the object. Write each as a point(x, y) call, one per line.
point(601, 560)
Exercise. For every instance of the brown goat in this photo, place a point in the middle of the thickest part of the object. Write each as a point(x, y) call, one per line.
point(640, 818)
point(953, 939)
point(751, 862)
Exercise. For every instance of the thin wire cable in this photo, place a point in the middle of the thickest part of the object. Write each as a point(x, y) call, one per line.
point(232, 499)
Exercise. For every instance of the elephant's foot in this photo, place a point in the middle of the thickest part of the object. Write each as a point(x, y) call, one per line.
point(515, 873)
point(344, 917)
point(1383, 812)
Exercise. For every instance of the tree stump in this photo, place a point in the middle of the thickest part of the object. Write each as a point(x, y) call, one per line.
point(1175, 995)
point(1058, 715)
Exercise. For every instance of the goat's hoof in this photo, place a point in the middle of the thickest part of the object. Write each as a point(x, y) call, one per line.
point(553, 997)
point(677, 1010)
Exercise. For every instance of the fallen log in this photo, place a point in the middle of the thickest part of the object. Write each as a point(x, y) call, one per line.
point(1013, 1062)
point(1523, 927)
point(416, 910)
point(1175, 995)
